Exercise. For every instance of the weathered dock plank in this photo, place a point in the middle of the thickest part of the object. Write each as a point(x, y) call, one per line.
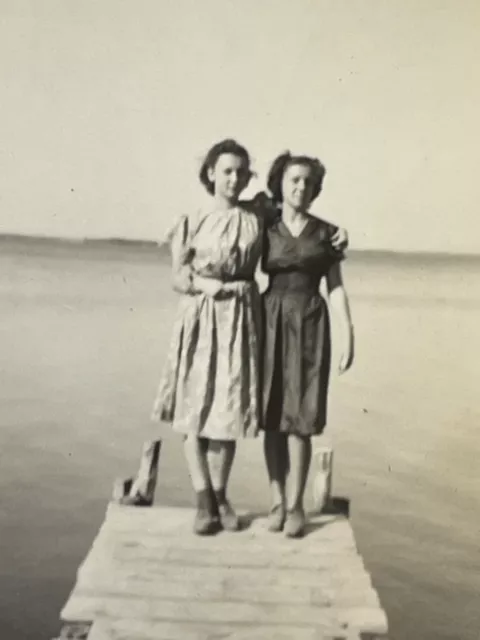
point(148, 577)
point(128, 629)
point(98, 606)
point(147, 568)
point(230, 585)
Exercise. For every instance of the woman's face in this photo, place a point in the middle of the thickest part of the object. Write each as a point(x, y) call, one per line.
point(230, 176)
point(297, 186)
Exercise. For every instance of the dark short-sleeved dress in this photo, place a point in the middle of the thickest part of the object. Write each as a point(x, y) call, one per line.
point(297, 348)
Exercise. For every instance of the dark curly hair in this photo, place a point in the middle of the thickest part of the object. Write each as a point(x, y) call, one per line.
point(281, 164)
point(225, 146)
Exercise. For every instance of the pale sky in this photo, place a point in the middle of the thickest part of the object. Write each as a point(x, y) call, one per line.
point(107, 106)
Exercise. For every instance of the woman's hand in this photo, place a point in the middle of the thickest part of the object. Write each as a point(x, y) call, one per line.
point(347, 356)
point(208, 286)
point(340, 240)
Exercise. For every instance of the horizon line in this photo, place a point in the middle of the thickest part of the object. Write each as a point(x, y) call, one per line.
point(141, 242)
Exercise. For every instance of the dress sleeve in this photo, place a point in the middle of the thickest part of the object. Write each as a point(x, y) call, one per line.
point(182, 254)
point(264, 207)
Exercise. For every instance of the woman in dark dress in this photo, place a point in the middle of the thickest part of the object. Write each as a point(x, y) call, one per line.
point(298, 254)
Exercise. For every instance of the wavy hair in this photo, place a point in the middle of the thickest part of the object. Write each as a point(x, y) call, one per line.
point(281, 164)
point(220, 148)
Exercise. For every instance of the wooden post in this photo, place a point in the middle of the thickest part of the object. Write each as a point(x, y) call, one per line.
point(322, 477)
point(121, 488)
point(140, 491)
point(145, 483)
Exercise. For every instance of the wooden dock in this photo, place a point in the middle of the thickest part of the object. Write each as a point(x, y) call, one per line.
point(148, 577)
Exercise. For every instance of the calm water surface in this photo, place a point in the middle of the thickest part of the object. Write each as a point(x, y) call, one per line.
point(83, 336)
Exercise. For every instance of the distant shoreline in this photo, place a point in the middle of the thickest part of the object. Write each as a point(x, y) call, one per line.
point(150, 245)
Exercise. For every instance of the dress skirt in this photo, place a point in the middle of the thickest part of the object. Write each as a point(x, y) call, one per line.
point(211, 382)
point(296, 362)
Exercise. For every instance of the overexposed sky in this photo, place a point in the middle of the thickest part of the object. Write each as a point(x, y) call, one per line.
point(106, 107)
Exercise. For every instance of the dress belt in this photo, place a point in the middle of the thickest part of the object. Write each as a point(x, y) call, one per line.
point(228, 279)
point(246, 285)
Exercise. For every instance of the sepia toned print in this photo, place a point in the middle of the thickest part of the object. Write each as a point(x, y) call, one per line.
point(114, 526)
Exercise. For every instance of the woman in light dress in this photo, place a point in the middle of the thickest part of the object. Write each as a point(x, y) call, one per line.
point(211, 390)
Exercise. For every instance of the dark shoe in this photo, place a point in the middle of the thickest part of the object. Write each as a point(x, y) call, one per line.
point(213, 504)
point(136, 501)
point(295, 523)
point(204, 524)
point(228, 518)
point(276, 518)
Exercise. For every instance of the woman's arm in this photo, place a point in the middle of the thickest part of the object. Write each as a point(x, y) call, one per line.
point(182, 274)
point(183, 279)
point(340, 239)
point(263, 206)
point(340, 305)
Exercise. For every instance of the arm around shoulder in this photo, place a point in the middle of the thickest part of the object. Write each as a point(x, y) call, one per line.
point(340, 239)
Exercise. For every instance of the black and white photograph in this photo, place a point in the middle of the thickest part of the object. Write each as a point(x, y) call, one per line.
point(239, 320)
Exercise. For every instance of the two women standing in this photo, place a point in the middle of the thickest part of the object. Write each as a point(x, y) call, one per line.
point(228, 372)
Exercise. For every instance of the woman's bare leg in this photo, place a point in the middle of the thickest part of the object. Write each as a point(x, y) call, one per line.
point(195, 455)
point(277, 463)
point(220, 457)
point(300, 455)
point(194, 449)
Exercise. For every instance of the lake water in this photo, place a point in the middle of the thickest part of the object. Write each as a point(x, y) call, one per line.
point(84, 331)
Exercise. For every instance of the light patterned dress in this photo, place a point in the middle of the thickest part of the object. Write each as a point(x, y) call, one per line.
point(210, 385)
